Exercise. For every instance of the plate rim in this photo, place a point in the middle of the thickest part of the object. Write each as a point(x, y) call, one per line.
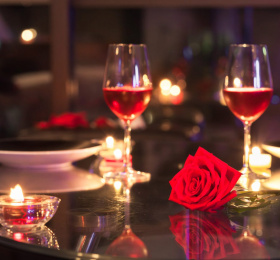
point(95, 144)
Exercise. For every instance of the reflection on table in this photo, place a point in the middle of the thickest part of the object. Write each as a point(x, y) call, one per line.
point(90, 221)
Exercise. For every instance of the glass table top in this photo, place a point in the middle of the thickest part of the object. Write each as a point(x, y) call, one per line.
point(98, 223)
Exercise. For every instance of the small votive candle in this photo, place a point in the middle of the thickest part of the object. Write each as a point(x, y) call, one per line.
point(25, 213)
point(116, 160)
point(259, 160)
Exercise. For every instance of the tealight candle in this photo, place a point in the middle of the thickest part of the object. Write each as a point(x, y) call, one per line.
point(116, 160)
point(25, 213)
point(259, 160)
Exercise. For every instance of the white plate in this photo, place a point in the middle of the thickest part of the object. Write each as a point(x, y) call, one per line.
point(45, 153)
point(273, 148)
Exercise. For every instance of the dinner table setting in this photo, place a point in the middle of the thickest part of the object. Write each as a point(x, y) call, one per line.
point(124, 189)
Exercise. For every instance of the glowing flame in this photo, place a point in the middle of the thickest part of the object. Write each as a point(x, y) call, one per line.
point(17, 194)
point(256, 150)
point(118, 153)
point(110, 142)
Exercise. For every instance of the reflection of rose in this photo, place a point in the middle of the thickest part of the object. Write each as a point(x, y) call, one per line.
point(204, 183)
point(66, 120)
point(203, 235)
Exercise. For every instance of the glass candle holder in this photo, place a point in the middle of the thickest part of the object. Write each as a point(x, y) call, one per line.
point(31, 214)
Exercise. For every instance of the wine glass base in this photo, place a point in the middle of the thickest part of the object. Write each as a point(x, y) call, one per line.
point(250, 180)
point(128, 178)
point(249, 173)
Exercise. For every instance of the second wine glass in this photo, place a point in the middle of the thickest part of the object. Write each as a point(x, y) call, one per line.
point(127, 90)
point(248, 89)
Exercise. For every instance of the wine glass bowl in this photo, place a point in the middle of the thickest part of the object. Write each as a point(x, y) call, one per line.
point(248, 89)
point(128, 245)
point(127, 89)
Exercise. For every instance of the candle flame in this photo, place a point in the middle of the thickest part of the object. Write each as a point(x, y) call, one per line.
point(17, 194)
point(256, 150)
point(118, 153)
point(110, 142)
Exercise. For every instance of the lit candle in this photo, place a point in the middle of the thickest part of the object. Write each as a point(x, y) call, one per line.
point(259, 160)
point(110, 146)
point(116, 160)
point(113, 161)
point(19, 212)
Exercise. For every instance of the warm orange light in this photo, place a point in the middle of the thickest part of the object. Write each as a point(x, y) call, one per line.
point(17, 194)
point(175, 90)
point(28, 35)
point(165, 84)
point(118, 153)
point(110, 142)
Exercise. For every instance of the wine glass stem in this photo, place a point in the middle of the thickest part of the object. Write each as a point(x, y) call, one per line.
point(126, 145)
point(247, 145)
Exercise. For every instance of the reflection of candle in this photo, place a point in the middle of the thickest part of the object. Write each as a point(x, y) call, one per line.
point(26, 212)
point(259, 160)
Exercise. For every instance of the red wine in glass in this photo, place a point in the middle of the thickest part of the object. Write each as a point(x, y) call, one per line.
point(127, 89)
point(248, 90)
point(127, 102)
point(248, 103)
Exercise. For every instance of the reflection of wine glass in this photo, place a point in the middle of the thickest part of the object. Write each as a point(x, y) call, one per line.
point(127, 90)
point(248, 89)
point(127, 244)
point(250, 247)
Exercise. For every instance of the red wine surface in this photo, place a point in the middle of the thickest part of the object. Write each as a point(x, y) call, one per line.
point(126, 102)
point(248, 103)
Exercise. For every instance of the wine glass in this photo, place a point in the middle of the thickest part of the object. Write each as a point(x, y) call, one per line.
point(248, 90)
point(127, 89)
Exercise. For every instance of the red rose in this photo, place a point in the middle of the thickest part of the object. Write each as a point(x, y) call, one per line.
point(66, 120)
point(203, 235)
point(204, 183)
point(42, 125)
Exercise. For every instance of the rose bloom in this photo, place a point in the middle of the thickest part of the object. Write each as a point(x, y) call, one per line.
point(204, 183)
point(203, 235)
point(67, 120)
